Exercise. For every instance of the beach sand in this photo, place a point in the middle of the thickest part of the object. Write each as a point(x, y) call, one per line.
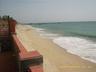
point(56, 59)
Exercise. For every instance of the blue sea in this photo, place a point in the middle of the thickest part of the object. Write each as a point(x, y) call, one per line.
point(78, 38)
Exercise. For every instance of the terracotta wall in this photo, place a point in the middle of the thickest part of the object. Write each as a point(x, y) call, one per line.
point(27, 60)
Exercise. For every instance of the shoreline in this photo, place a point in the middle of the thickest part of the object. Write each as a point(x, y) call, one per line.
point(56, 59)
point(53, 36)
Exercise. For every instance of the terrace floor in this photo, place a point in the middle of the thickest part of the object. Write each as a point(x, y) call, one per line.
point(8, 62)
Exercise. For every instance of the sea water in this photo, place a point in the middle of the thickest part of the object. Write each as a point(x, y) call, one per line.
point(78, 38)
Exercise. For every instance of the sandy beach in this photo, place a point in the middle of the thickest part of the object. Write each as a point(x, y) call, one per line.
point(56, 59)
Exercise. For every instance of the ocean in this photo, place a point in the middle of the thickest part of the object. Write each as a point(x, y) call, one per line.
point(78, 38)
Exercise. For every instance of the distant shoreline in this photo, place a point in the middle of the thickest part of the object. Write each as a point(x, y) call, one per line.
point(57, 22)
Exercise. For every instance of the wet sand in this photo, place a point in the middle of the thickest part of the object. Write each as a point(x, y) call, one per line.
point(56, 59)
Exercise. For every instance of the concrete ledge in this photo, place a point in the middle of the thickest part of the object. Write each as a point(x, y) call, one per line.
point(33, 58)
point(35, 69)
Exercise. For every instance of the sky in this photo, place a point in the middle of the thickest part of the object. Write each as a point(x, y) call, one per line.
point(49, 10)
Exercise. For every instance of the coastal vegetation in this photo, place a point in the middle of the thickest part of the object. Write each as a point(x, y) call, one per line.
point(5, 17)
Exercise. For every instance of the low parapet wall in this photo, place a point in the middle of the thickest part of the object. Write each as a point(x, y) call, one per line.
point(37, 68)
point(27, 61)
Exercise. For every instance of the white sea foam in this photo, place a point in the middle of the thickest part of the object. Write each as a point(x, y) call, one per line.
point(82, 47)
point(45, 34)
point(49, 35)
point(38, 29)
point(78, 46)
